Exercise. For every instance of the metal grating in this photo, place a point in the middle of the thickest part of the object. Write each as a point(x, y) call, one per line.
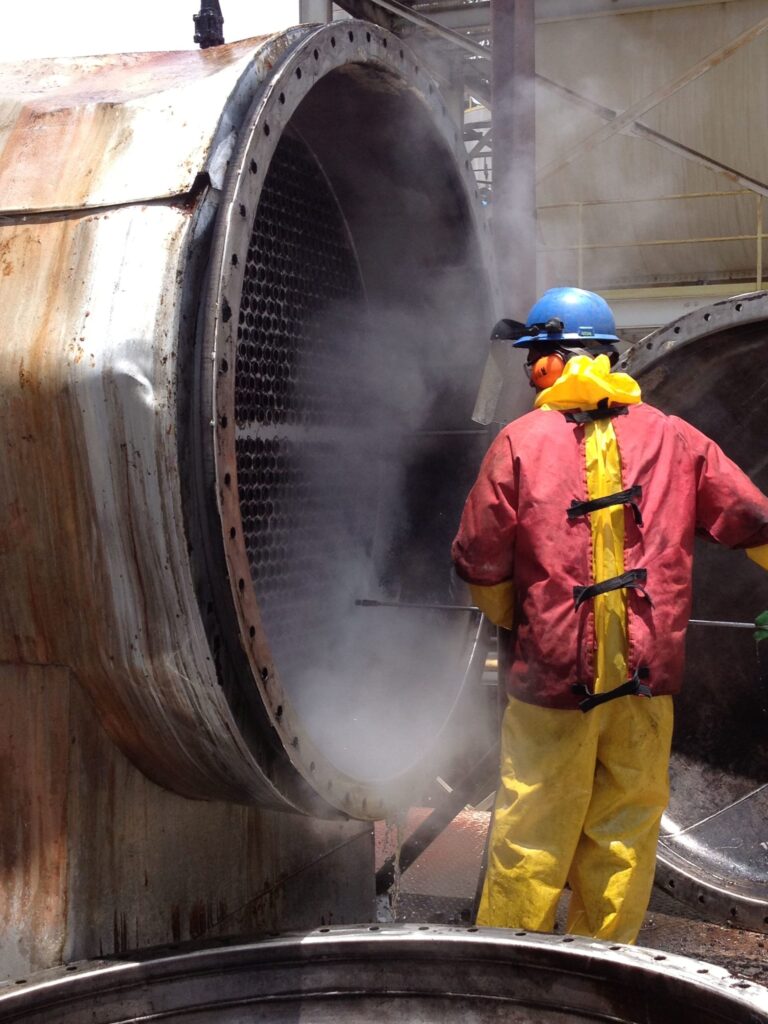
point(296, 398)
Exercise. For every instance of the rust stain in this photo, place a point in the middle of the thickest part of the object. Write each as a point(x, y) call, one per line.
point(120, 932)
point(26, 379)
point(6, 264)
point(33, 825)
point(119, 77)
point(176, 922)
point(72, 122)
point(199, 920)
point(16, 528)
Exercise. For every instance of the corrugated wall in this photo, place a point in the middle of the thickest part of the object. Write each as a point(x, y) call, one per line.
point(631, 234)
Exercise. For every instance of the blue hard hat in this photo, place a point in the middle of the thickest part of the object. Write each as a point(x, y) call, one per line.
point(568, 315)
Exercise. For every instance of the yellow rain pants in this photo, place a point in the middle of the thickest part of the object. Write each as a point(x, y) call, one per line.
point(581, 795)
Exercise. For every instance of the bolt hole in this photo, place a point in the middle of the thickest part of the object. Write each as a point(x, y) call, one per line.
point(20, 981)
point(325, 930)
point(423, 927)
point(368, 37)
point(703, 970)
point(384, 43)
point(521, 933)
point(282, 97)
point(234, 259)
point(474, 928)
point(733, 911)
point(223, 421)
point(660, 956)
point(253, 166)
point(295, 742)
point(374, 928)
point(298, 72)
point(677, 329)
point(252, 634)
point(702, 900)
point(351, 36)
point(266, 129)
point(227, 479)
point(241, 585)
point(71, 967)
point(316, 54)
point(232, 532)
point(333, 40)
point(243, 210)
point(402, 55)
point(649, 344)
point(614, 948)
point(707, 316)
point(224, 365)
point(279, 711)
point(415, 69)
point(567, 938)
point(671, 883)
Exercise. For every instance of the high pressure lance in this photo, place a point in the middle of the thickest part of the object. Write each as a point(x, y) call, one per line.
point(458, 796)
point(760, 625)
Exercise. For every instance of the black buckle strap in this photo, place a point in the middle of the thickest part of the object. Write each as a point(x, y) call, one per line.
point(603, 411)
point(627, 497)
point(634, 687)
point(634, 579)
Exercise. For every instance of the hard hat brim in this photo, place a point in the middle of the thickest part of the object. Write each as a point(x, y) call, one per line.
point(553, 339)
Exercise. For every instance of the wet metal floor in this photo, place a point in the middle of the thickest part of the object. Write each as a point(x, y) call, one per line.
point(440, 888)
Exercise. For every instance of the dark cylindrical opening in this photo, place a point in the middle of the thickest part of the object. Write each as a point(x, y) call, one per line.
point(361, 306)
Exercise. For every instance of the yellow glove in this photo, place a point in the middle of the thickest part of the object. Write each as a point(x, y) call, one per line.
point(497, 602)
point(759, 555)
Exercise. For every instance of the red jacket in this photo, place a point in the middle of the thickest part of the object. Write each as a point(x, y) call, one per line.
point(515, 527)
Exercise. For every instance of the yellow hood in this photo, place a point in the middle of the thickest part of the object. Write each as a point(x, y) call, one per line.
point(585, 382)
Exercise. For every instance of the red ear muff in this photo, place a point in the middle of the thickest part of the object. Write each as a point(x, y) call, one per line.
point(546, 369)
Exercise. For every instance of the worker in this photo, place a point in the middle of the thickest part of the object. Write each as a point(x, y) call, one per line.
point(578, 537)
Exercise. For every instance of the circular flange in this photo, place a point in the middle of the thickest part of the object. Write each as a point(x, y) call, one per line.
point(406, 972)
point(733, 313)
point(366, 54)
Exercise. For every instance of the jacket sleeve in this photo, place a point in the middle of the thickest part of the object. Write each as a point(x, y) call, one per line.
point(730, 509)
point(484, 549)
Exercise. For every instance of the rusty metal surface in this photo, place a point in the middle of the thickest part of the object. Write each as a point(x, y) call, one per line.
point(93, 533)
point(33, 824)
point(418, 973)
point(118, 405)
point(96, 860)
point(100, 131)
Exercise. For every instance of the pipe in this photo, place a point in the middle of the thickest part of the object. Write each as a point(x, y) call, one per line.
point(197, 385)
point(209, 25)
